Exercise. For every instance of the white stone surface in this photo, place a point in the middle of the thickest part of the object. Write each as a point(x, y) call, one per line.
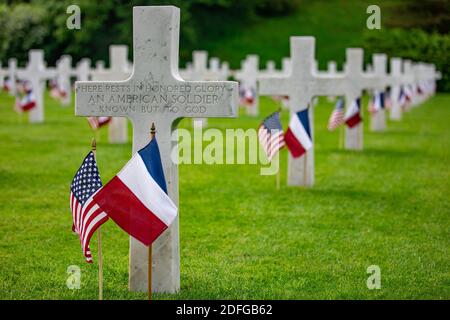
point(37, 74)
point(156, 37)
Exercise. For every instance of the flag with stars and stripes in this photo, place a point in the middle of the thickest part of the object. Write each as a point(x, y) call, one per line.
point(87, 215)
point(337, 116)
point(270, 135)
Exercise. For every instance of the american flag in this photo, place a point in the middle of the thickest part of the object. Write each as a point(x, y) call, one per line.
point(98, 122)
point(337, 116)
point(271, 135)
point(86, 214)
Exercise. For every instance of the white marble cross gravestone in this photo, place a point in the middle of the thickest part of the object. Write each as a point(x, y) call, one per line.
point(37, 74)
point(64, 71)
point(302, 85)
point(395, 82)
point(379, 83)
point(118, 70)
point(12, 76)
point(360, 80)
point(248, 77)
point(83, 70)
point(156, 93)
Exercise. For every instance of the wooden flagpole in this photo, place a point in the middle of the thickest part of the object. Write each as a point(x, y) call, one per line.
point(149, 278)
point(99, 240)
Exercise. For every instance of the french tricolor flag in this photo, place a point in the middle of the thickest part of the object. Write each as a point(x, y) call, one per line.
point(298, 135)
point(136, 198)
point(353, 114)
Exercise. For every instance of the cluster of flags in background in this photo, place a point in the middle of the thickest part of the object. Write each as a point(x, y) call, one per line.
point(136, 199)
point(297, 137)
point(351, 118)
point(56, 90)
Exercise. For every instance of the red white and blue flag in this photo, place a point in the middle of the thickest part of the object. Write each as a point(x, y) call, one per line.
point(247, 95)
point(402, 97)
point(6, 84)
point(337, 116)
point(136, 198)
point(376, 103)
point(353, 114)
point(27, 102)
point(87, 216)
point(98, 122)
point(298, 135)
point(270, 135)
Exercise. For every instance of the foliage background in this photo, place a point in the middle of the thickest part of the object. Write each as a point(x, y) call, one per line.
point(230, 29)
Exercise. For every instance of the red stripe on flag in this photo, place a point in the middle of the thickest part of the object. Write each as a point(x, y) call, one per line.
point(353, 120)
point(28, 106)
point(294, 146)
point(120, 203)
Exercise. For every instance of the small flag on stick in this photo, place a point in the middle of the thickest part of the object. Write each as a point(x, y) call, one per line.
point(270, 134)
point(337, 116)
point(86, 214)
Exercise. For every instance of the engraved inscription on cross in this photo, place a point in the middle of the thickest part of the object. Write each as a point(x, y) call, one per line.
point(156, 93)
point(36, 73)
point(302, 84)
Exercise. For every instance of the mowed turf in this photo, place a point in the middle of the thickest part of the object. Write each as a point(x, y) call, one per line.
point(240, 238)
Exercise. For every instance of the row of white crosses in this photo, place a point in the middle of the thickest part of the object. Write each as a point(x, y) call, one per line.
point(37, 74)
point(303, 83)
point(142, 97)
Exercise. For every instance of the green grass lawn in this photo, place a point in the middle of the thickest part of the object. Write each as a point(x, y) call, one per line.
point(240, 238)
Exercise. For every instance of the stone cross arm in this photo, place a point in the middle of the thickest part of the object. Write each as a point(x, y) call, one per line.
point(274, 85)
